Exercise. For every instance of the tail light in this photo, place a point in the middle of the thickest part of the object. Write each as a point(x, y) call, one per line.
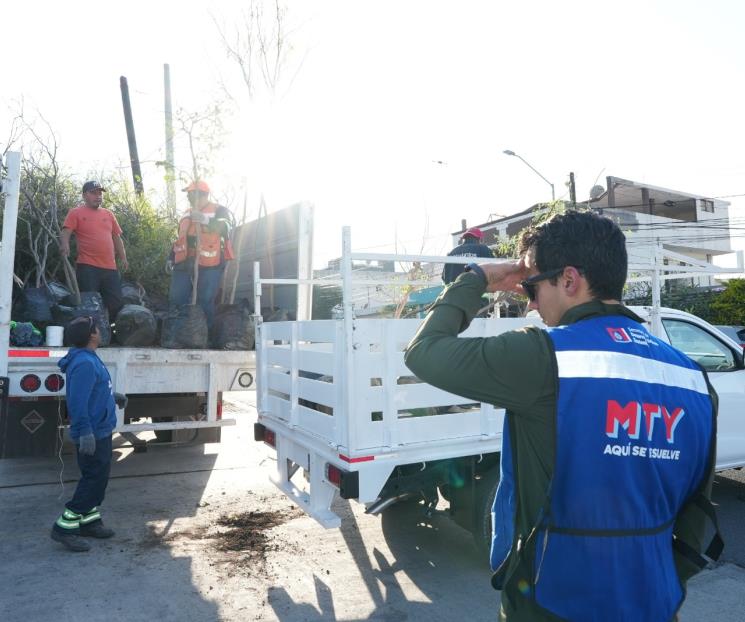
point(264, 434)
point(30, 383)
point(219, 410)
point(54, 383)
point(270, 438)
point(333, 475)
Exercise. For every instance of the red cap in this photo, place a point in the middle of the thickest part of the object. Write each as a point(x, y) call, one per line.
point(202, 186)
point(475, 232)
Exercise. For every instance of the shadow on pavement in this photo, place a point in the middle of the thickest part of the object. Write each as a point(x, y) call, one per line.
point(431, 569)
point(429, 557)
point(133, 576)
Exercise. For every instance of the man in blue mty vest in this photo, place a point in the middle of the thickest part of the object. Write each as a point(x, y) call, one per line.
point(92, 412)
point(609, 438)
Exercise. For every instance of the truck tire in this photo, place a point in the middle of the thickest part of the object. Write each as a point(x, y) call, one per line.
point(486, 490)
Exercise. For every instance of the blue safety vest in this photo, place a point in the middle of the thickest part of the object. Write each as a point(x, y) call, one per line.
point(634, 440)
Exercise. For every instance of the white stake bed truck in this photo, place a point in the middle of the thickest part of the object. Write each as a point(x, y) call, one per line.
point(181, 388)
point(338, 404)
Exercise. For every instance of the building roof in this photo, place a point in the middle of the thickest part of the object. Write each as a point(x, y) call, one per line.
point(623, 193)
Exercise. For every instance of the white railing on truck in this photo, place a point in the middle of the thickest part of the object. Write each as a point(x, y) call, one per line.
point(344, 382)
point(659, 269)
point(305, 381)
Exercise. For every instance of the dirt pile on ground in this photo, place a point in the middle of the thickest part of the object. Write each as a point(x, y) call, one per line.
point(246, 531)
point(241, 540)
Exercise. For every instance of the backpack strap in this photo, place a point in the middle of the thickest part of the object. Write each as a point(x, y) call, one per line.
point(716, 544)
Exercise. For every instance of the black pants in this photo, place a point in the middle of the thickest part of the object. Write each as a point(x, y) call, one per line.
point(107, 282)
point(94, 476)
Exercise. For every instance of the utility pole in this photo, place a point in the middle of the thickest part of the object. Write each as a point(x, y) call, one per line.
point(170, 168)
point(129, 123)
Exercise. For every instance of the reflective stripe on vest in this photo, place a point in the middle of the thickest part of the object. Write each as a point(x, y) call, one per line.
point(210, 243)
point(634, 430)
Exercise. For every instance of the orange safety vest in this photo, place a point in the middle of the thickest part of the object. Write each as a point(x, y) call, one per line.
point(210, 243)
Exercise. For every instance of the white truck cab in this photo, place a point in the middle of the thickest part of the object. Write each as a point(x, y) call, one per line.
point(722, 358)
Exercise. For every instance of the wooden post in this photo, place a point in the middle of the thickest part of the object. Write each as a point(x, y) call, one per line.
point(195, 279)
point(572, 190)
point(131, 140)
point(611, 191)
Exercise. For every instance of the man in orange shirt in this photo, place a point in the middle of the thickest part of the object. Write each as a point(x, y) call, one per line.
point(99, 242)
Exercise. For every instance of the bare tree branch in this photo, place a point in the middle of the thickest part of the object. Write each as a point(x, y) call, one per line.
point(258, 42)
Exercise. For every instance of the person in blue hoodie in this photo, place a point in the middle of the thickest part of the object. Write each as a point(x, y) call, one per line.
point(91, 408)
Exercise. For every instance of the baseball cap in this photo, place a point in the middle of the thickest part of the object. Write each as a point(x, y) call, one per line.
point(79, 331)
point(92, 185)
point(201, 186)
point(475, 232)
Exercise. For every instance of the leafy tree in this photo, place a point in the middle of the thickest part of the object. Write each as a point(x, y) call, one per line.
point(728, 306)
point(147, 235)
point(695, 300)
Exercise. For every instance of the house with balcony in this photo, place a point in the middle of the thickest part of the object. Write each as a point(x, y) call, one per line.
point(689, 224)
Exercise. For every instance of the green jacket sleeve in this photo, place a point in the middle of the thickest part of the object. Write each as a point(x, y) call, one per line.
point(511, 370)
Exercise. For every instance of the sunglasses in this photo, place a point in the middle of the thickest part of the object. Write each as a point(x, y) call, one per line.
point(529, 284)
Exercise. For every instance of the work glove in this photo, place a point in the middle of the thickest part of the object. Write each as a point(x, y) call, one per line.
point(198, 217)
point(169, 266)
point(87, 444)
point(121, 400)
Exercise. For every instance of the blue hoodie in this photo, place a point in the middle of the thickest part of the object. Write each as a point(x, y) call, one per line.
point(90, 397)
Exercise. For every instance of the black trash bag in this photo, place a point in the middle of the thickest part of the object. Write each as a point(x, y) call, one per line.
point(91, 304)
point(60, 294)
point(185, 328)
point(233, 328)
point(133, 294)
point(135, 326)
point(25, 334)
point(35, 305)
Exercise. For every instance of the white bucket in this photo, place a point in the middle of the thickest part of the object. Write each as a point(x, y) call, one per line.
point(54, 335)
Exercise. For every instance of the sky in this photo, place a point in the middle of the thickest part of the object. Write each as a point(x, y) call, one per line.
point(392, 116)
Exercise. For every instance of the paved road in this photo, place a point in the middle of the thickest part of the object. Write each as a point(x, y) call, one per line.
point(165, 562)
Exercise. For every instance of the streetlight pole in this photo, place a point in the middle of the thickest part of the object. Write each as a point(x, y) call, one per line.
point(512, 153)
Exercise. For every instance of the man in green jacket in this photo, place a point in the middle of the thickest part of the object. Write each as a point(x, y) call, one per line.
point(573, 269)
